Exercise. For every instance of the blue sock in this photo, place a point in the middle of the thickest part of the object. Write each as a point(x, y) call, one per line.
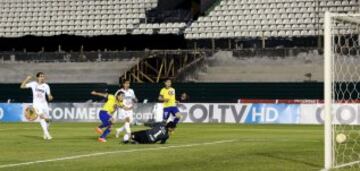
point(102, 126)
point(106, 132)
point(176, 120)
point(165, 117)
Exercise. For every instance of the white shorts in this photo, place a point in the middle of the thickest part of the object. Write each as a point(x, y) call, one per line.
point(42, 111)
point(128, 114)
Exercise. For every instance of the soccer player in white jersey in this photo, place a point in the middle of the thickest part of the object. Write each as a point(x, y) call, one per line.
point(39, 90)
point(129, 100)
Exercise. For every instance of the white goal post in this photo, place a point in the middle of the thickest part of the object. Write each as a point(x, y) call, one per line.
point(341, 78)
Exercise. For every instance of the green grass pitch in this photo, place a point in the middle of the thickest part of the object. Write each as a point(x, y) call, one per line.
point(198, 147)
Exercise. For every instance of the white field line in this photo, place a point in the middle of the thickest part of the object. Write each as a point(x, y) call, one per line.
point(347, 164)
point(113, 152)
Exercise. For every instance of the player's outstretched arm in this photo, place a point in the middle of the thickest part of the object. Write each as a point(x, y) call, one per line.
point(127, 108)
point(162, 99)
point(135, 100)
point(24, 82)
point(94, 93)
point(50, 97)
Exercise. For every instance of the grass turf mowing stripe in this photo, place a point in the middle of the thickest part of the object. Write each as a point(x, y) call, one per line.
point(113, 152)
point(7, 129)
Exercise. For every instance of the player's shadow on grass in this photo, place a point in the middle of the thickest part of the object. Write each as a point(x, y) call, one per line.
point(85, 137)
point(289, 159)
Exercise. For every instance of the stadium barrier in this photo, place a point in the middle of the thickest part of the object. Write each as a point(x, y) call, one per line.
point(248, 113)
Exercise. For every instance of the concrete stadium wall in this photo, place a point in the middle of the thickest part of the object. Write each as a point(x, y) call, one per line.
point(74, 72)
point(223, 67)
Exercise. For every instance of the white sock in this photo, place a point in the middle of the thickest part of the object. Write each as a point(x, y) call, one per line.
point(44, 127)
point(127, 127)
point(121, 129)
point(126, 137)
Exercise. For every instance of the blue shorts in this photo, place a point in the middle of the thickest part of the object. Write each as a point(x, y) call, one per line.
point(105, 118)
point(170, 110)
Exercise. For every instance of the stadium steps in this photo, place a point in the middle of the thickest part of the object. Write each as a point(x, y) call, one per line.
point(161, 65)
point(73, 72)
point(222, 67)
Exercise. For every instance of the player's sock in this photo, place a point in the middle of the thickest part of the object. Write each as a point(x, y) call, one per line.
point(127, 128)
point(176, 120)
point(44, 127)
point(126, 138)
point(106, 132)
point(102, 126)
point(119, 130)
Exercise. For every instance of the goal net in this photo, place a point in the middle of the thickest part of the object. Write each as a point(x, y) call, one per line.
point(342, 90)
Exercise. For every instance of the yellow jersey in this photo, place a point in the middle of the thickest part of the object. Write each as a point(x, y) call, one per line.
point(168, 93)
point(111, 104)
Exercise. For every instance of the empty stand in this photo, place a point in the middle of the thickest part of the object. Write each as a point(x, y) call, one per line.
point(72, 17)
point(230, 18)
point(267, 18)
point(162, 28)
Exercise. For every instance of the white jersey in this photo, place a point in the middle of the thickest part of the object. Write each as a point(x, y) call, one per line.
point(39, 92)
point(129, 97)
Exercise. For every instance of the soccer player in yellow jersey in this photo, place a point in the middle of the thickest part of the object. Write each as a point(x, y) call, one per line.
point(108, 109)
point(167, 96)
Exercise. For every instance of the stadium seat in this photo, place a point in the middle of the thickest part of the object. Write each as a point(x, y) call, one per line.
point(70, 15)
point(44, 17)
point(269, 16)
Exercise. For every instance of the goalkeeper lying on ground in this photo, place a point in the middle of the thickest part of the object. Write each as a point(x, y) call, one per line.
point(158, 133)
